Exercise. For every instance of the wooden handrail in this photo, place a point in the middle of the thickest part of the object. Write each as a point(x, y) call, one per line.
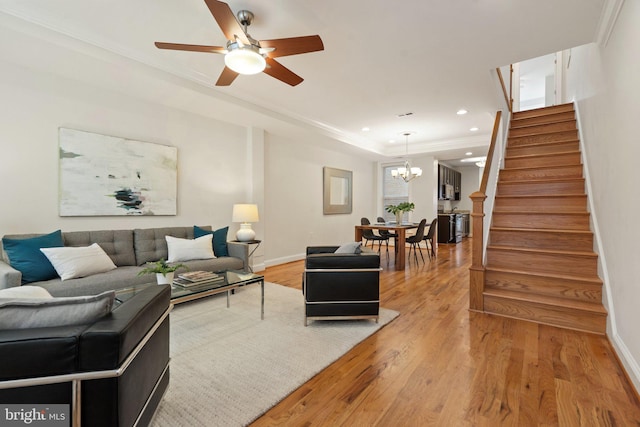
point(507, 96)
point(492, 146)
point(477, 270)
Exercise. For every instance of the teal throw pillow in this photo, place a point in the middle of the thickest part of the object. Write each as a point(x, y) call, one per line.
point(26, 257)
point(219, 239)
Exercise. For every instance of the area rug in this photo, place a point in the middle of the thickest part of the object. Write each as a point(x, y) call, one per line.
point(228, 367)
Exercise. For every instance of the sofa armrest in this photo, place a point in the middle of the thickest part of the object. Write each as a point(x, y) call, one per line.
point(321, 249)
point(9, 276)
point(239, 250)
point(106, 343)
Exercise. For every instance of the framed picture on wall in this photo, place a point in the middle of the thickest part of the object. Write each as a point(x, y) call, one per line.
point(104, 175)
point(337, 191)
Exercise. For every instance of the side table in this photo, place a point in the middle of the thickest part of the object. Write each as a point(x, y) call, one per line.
point(251, 250)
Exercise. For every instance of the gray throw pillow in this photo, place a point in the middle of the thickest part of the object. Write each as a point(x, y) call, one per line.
point(42, 313)
point(350, 248)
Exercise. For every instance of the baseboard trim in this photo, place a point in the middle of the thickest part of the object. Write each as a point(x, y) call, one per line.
point(283, 260)
point(629, 365)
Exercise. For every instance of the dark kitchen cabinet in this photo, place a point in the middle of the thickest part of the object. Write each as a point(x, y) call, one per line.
point(448, 176)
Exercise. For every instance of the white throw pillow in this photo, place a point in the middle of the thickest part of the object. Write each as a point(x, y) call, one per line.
point(187, 249)
point(40, 313)
point(25, 292)
point(72, 262)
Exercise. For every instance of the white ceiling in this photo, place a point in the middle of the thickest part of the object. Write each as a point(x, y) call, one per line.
point(381, 58)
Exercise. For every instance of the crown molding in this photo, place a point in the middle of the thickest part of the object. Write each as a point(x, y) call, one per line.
point(608, 19)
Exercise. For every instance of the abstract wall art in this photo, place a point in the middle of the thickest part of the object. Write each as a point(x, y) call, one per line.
point(104, 175)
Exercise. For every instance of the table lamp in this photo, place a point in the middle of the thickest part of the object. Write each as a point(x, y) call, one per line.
point(245, 214)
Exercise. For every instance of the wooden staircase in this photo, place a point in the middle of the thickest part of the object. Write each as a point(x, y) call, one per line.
point(540, 264)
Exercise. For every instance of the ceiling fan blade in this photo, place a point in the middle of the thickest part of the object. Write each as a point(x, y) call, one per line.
point(282, 73)
point(226, 77)
point(293, 45)
point(227, 21)
point(191, 47)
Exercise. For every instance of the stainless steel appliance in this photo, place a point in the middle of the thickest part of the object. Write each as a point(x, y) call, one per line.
point(450, 228)
point(459, 227)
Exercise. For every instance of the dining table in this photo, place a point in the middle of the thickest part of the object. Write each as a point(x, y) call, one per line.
point(399, 229)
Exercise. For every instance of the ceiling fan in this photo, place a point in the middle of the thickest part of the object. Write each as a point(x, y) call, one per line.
point(246, 55)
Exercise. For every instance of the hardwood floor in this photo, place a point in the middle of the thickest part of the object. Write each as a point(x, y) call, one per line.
point(439, 364)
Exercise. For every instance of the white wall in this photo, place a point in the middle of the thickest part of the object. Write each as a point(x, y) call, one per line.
point(293, 196)
point(603, 80)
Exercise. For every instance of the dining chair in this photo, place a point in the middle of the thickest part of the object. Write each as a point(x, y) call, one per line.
point(388, 233)
point(368, 234)
point(415, 240)
point(428, 238)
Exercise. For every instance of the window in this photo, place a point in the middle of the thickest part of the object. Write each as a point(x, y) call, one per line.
point(394, 191)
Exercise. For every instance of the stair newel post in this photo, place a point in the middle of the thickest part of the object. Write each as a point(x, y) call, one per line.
point(476, 271)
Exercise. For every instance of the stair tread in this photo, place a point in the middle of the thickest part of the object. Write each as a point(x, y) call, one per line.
point(531, 156)
point(590, 254)
point(545, 180)
point(544, 111)
point(541, 196)
point(564, 277)
point(545, 143)
point(546, 123)
point(538, 133)
point(594, 307)
point(547, 212)
point(541, 230)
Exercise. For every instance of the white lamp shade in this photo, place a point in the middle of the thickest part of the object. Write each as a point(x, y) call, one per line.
point(245, 61)
point(245, 213)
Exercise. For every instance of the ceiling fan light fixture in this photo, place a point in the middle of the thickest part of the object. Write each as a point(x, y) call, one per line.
point(245, 60)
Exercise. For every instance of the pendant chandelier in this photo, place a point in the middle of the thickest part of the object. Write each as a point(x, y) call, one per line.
point(407, 172)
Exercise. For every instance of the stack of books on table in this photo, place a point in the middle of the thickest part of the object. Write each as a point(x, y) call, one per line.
point(197, 278)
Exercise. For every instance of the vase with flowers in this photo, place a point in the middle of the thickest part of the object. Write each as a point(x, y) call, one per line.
point(399, 210)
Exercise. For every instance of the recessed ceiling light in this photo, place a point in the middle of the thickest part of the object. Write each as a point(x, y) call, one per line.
point(473, 129)
point(474, 159)
point(468, 153)
point(392, 141)
point(461, 111)
point(365, 129)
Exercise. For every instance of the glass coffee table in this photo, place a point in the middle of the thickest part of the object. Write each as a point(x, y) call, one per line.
point(232, 280)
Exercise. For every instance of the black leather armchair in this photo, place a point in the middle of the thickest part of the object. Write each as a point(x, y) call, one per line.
point(341, 286)
point(112, 372)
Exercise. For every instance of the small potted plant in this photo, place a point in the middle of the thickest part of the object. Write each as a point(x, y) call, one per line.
point(399, 210)
point(164, 271)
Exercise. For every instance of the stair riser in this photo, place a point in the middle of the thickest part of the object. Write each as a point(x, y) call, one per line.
point(542, 138)
point(541, 204)
point(550, 315)
point(553, 263)
point(543, 111)
point(574, 290)
point(543, 128)
point(558, 147)
point(546, 221)
point(547, 118)
point(543, 161)
point(542, 240)
point(541, 188)
point(555, 172)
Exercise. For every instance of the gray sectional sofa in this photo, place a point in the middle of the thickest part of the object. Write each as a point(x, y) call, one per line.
point(129, 250)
